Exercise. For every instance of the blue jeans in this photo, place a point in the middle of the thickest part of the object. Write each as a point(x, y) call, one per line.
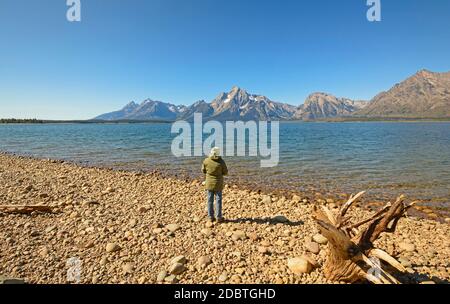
point(211, 195)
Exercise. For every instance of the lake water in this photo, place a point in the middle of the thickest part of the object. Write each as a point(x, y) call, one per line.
point(386, 159)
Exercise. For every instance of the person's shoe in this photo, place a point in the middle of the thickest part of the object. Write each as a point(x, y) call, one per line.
point(220, 220)
point(211, 220)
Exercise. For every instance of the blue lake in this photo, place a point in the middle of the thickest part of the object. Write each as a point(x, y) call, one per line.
point(384, 158)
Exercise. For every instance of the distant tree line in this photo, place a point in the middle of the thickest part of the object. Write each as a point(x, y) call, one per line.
point(15, 120)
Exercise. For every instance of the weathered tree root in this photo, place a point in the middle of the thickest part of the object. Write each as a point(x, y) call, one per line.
point(352, 256)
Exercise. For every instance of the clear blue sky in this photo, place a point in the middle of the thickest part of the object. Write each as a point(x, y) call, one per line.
point(181, 51)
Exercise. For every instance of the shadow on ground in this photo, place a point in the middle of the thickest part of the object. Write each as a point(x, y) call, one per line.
point(264, 221)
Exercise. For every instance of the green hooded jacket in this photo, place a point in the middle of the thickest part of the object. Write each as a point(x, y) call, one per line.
point(215, 168)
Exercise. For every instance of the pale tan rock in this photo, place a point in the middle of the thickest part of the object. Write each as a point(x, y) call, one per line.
point(407, 246)
point(204, 261)
point(177, 268)
point(312, 247)
point(112, 247)
point(181, 259)
point(299, 265)
point(320, 239)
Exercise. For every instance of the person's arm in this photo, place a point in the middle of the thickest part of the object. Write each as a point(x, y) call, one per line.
point(224, 168)
point(203, 168)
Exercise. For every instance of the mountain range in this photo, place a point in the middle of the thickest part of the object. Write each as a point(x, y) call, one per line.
point(147, 110)
point(423, 95)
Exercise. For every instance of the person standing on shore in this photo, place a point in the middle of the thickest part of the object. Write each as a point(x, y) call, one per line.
point(215, 169)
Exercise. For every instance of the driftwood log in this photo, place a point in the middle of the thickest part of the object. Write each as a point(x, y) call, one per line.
point(352, 256)
point(25, 209)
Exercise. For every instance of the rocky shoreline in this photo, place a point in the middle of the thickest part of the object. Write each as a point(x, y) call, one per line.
point(126, 227)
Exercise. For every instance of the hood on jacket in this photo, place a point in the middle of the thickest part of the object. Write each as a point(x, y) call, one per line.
point(215, 158)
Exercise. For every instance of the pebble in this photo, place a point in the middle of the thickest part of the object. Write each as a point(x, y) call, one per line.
point(177, 268)
point(161, 276)
point(157, 230)
point(142, 280)
point(408, 247)
point(405, 262)
point(50, 229)
point(320, 239)
point(43, 252)
point(253, 236)
point(223, 277)
point(206, 231)
point(35, 233)
point(112, 247)
point(173, 227)
point(235, 279)
point(263, 249)
point(238, 235)
point(266, 199)
point(172, 279)
point(204, 261)
point(142, 209)
point(265, 243)
point(299, 265)
point(312, 247)
point(296, 199)
point(181, 259)
point(127, 268)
